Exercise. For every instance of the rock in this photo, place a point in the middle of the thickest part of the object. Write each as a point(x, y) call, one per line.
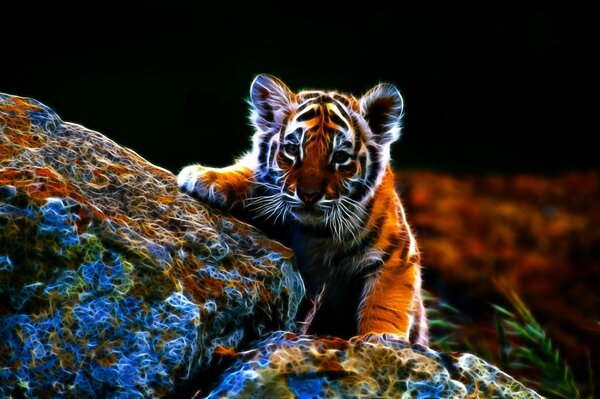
point(112, 283)
point(115, 284)
point(377, 366)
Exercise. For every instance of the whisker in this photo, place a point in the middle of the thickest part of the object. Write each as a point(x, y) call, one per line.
point(267, 185)
point(283, 176)
point(344, 218)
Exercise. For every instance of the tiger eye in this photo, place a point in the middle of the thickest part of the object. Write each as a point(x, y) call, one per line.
point(340, 156)
point(291, 149)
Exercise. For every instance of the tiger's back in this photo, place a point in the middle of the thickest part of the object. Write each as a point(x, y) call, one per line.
point(318, 179)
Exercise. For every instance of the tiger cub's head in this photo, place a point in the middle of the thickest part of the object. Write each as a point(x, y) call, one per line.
point(321, 154)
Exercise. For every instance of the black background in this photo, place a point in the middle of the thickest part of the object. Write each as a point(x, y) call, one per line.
point(497, 89)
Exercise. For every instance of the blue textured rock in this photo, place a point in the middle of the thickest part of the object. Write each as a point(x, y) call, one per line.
point(113, 284)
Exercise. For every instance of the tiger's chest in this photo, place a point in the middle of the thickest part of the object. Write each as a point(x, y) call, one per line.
point(322, 260)
point(333, 277)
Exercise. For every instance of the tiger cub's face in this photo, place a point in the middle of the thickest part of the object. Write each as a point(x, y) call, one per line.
point(321, 154)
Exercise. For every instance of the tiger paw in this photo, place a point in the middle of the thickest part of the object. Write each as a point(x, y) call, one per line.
point(203, 183)
point(222, 187)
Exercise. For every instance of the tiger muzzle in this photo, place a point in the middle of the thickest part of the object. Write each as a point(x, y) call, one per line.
point(309, 196)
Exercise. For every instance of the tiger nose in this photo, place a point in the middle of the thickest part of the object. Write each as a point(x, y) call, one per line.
point(309, 196)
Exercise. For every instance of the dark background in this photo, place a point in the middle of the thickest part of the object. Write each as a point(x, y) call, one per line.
point(501, 89)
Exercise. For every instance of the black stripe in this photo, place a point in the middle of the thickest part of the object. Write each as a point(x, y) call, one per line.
point(387, 254)
point(337, 120)
point(379, 222)
point(358, 135)
point(308, 96)
point(308, 115)
point(394, 241)
point(272, 152)
point(393, 247)
point(346, 145)
point(324, 98)
point(342, 99)
point(304, 106)
point(307, 104)
point(329, 131)
point(263, 145)
point(360, 191)
point(263, 149)
point(375, 166)
point(267, 112)
point(296, 134)
point(371, 268)
point(390, 310)
point(363, 163)
point(345, 114)
point(363, 188)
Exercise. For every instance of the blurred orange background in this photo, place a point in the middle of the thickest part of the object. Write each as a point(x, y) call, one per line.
point(537, 235)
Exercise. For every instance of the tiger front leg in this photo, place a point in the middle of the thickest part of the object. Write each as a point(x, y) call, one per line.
point(224, 188)
point(389, 303)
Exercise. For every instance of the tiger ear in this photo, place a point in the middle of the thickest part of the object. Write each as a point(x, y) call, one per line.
point(270, 99)
point(382, 109)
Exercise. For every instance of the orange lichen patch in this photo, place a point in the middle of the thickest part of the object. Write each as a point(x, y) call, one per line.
point(16, 120)
point(41, 184)
point(334, 343)
point(107, 359)
point(163, 199)
point(7, 151)
point(225, 351)
point(276, 247)
point(211, 287)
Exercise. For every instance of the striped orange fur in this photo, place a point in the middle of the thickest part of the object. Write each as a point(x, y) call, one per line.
point(318, 179)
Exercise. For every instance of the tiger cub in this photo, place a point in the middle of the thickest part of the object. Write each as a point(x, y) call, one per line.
point(318, 179)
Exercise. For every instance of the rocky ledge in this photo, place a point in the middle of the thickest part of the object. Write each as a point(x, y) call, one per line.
point(115, 284)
